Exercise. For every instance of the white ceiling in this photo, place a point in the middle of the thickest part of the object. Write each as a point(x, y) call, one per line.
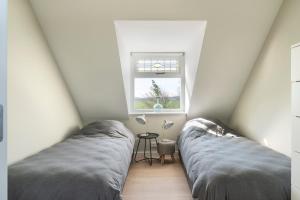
point(160, 36)
point(82, 37)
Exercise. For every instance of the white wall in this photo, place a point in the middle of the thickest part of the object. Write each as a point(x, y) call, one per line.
point(3, 53)
point(40, 109)
point(263, 112)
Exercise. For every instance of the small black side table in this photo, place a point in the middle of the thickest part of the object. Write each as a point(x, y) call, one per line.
point(146, 136)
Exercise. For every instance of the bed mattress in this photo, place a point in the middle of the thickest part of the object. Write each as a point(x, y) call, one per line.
point(233, 168)
point(90, 165)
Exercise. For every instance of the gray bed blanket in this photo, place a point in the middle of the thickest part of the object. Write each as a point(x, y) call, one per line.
point(233, 168)
point(91, 165)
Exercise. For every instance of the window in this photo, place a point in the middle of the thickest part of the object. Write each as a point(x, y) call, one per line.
point(158, 82)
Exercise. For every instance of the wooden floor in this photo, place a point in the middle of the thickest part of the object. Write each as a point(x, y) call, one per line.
point(156, 182)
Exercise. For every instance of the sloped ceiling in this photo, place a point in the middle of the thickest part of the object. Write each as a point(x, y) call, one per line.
point(82, 37)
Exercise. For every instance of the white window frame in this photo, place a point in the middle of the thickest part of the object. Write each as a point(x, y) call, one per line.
point(180, 56)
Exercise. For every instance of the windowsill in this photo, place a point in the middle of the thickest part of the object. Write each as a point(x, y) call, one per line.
point(158, 113)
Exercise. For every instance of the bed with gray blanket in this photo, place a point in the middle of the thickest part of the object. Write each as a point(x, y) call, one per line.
point(90, 165)
point(221, 166)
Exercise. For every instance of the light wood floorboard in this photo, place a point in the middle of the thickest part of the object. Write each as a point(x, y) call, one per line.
point(156, 182)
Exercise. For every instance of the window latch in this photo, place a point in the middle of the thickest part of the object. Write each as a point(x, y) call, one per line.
point(160, 73)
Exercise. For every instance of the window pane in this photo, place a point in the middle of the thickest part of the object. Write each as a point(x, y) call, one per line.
point(147, 91)
point(157, 66)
